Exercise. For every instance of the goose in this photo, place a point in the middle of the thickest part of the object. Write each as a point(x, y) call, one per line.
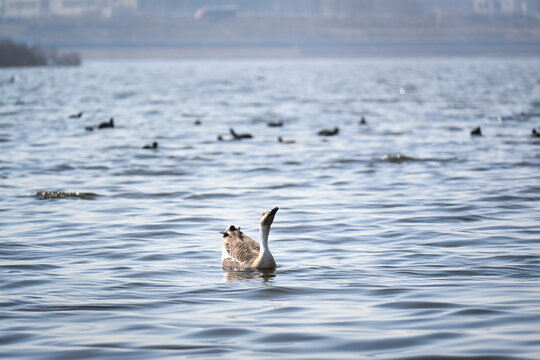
point(105, 125)
point(240, 136)
point(362, 121)
point(328, 132)
point(240, 252)
point(476, 131)
point(153, 146)
point(535, 133)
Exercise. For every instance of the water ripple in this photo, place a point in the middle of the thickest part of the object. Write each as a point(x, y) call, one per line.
point(401, 238)
point(52, 195)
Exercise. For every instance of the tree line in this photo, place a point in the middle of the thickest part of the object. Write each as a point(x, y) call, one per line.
point(15, 54)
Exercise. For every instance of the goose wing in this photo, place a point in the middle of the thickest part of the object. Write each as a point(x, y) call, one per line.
point(230, 263)
point(239, 236)
point(241, 249)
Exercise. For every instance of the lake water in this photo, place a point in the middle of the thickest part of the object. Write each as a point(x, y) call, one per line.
point(404, 238)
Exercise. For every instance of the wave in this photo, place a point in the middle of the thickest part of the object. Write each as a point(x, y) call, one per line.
point(397, 158)
point(53, 195)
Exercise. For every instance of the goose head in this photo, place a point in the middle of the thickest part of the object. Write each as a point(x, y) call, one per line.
point(267, 217)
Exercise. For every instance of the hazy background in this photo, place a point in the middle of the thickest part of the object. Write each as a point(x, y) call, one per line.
point(275, 28)
point(403, 238)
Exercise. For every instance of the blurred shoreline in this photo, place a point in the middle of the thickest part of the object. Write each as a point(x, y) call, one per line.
point(367, 50)
point(14, 55)
point(186, 37)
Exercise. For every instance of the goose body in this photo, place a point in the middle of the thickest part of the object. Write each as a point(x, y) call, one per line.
point(240, 252)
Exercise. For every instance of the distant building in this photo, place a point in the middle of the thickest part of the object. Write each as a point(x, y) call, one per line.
point(20, 9)
point(17, 9)
point(329, 9)
point(494, 7)
point(216, 12)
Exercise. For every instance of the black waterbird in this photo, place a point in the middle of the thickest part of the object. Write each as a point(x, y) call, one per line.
point(327, 132)
point(109, 124)
point(153, 146)
point(237, 136)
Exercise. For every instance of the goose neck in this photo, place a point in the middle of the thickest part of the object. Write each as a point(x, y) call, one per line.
point(264, 231)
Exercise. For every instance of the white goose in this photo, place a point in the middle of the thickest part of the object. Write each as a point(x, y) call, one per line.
point(242, 252)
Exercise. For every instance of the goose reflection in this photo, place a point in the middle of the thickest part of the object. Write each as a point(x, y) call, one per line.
point(238, 275)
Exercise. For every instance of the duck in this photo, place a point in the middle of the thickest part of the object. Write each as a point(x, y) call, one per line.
point(281, 140)
point(89, 128)
point(327, 132)
point(535, 133)
point(240, 252)
point(76, 116)
point(109, 124)
point(274, 123)
point(362, 121)
point(197, 122)
point(476, 131)
point(237, 136)
point(153, 146)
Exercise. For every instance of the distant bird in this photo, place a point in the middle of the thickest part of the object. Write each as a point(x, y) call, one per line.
point(535, 133)
point(109, 124)
point(362, 121)
point(153, 146)
point(476, 131)
point(197, 122)
point(274, 123)
point(281, 140)
point(76, 116)
point(221, 138)
point(327, 132)
point(240, 136)
point(89, 128)
point(242, 252)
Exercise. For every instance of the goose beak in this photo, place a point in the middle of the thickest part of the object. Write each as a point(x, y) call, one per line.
point(270, 217)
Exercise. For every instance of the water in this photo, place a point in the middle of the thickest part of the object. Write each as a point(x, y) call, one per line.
point(405, 238)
